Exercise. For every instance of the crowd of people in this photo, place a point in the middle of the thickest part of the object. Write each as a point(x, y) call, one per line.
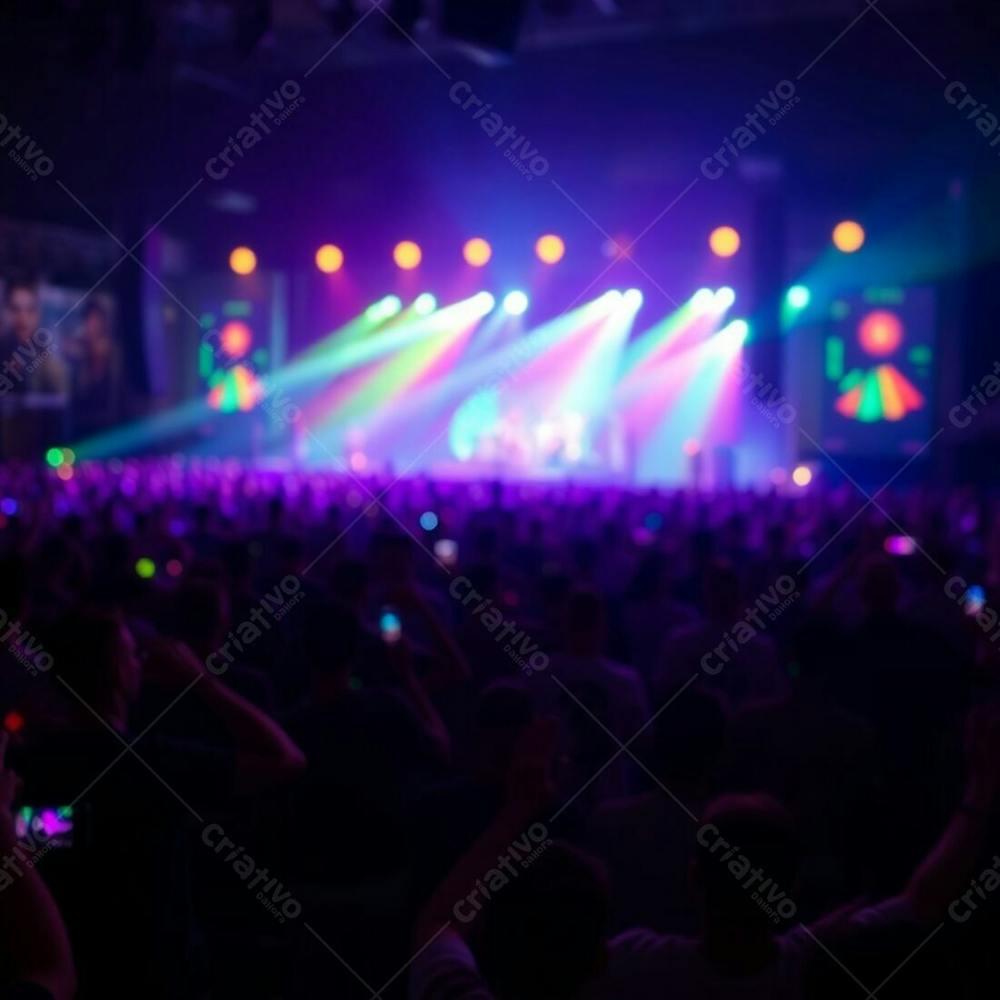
point(289, 733)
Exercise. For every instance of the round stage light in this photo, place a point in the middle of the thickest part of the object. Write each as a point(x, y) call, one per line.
point(329, 258)
point(724, 241)
point(484, 301)
point(848, 236)
point(802, 475)
point(477, 252)
point(428, 520)
point(633, 298)
point(724, 297)
point(424, 304)
point(407, 255)
point(880, 333)
point(54, 457)
point(243, 260)
point(235, 338)
point(385, 308)
point(515, 303)
point(739, 328)
point(612, 297)
point(702, 299)
point(798, 296)
point(550, 248)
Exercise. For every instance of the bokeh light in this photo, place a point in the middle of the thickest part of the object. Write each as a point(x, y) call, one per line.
point(802, 475)
point(848, 236)
point(243, 260)
point(428, 520)
point(329, 258)
point(633, 298)
point(13, 722)
point(477, 252)
point(550, 248)
point(407, 255)
point(798, 296)
point(724, 241)
point(880, 333)
point(145, 568)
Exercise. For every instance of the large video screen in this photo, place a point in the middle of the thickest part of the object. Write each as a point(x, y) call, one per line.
point(878, 363)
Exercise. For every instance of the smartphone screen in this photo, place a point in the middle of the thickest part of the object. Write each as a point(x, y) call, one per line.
point(43, 826)
point(974, 600)
point(389, 625)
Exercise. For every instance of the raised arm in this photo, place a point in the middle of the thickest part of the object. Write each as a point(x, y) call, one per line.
point(529, 789)
point(941, 879)
point(265, 753)
point(32, 935)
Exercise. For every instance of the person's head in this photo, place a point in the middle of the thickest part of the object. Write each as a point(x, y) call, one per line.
point(542, 934)
point(392, 557)
point(503, 711)
point(94, 329)
point(201, 613)
point(585, 622)
point(349, 583)
point(94, 652)
point(721, 591)
point(331, 637)
point(880, 585)
point(22, 312)
point(688, 744)
point(650, 578)
point(747, 863)
point(819, 651)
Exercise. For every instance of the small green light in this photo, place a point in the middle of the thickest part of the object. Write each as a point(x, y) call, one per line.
point(54, 456)
point(237, 307)
point(145, 568)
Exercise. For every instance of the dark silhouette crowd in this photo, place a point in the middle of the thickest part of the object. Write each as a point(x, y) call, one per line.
point(293, 733)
